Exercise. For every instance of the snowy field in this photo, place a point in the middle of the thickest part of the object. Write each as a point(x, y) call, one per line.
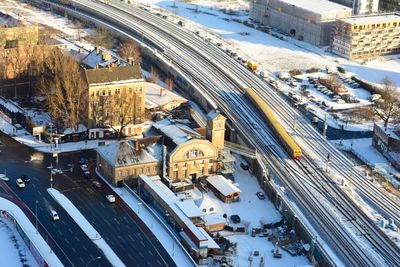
point(271, 53)
point(13, 249)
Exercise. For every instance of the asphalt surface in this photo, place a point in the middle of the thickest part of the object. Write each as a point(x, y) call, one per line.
point(130, 239)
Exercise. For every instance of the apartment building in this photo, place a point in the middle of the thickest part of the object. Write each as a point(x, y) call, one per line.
point(367, 36)
point(116, 100)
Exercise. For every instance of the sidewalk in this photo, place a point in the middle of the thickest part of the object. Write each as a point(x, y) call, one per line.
point(12, 206)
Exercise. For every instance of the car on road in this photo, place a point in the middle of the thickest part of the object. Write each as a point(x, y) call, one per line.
point(20, 183)
point(235, 218)
point(260, 195)
point(25, 178)
point(96, 184)
point(84, 167)
point(54, 215)
point(110, 198)
point(244, 166)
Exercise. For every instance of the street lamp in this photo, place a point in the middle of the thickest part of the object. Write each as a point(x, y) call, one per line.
point(93, 259)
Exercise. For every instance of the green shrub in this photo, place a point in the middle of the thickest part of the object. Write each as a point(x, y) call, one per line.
point(312, 70)
point(367, 86)
point(295, 72)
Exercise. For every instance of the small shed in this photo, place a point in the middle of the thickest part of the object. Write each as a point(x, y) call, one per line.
point(223, 188)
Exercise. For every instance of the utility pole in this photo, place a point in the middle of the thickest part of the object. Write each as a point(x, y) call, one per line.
point(325, 125)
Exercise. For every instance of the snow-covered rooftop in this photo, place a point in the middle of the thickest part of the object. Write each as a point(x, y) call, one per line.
point(223, 185)
point(157, 96)
point(189, 208)
point(11, 105)
point(177, 132)
point(316, 6)
point(374, 19)
point(125, 153)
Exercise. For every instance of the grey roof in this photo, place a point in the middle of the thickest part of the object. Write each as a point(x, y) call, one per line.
point(124, 153)
point(113, 74)
point(177, 132)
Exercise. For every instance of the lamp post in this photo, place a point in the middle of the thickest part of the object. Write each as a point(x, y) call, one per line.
point(93, 259)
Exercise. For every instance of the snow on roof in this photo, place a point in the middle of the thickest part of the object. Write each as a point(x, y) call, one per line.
point(205, 202)
point(316, 6)
point(81, 128)
point(11, 105)
point(169, 198)
point(154, 98)
point(391, 132)
point(189, 208)
point(223, 185)
point(211, 241)
point(178, 133)
point(124, 154)
point(373, 19)
point(211, 219)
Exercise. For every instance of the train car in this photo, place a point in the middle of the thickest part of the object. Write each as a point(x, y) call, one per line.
point(291, 147)
point(251, 65)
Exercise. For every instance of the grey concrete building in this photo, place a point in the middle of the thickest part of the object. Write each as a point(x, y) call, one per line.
point(308, 20)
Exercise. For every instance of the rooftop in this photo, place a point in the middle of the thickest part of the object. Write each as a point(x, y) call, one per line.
point(317, 6)
point(157, 96)
point(177, 132)
point(127, 153)
point(373, 19)
point(223, 185)
point(113, 74)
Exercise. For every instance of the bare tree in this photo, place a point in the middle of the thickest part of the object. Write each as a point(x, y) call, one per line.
point(130, 51)
point(64, 89)
point(170, 84)
point(389, 106)
point(154, 78)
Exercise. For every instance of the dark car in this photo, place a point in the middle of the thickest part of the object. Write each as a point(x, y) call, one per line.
point(82, 161)
point(244, 166)
point(87, 174)
point(25, 179)
point(260, 195)
point(235, 218)
point(96, 184)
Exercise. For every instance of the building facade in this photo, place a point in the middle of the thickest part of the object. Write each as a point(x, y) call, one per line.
point(360, 6)
point(367, 36)
point(116, 99)
point(389, 5)
point(308, 20)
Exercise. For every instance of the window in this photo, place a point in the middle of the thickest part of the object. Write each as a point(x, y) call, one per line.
point(201, 153)
point(210, 161)
point(175, 174)
point(117, 91)
point(175, 166)
point(109, 92)
point(97, 93)
point(211, 209)
point(201, 171)
point(193, 153)
point(204, 210)
point(184, 172)
point(103, 93)
point(147, 170)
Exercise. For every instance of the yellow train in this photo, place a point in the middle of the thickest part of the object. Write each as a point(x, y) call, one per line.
point(287, 141)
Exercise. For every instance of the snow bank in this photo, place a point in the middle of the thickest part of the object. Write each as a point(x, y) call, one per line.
point(85, 226)
point(29, 229)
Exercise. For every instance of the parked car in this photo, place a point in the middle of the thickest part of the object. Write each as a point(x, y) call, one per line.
point(110, 198)
point(54, 215)
point(244, 166)
point(86, 174)
point(96, 184)
point(84, 167)
point(82, 161)
point(315, 120)
point(235, 218)
point(25, 178)
point(20, 183)
point(260, 195)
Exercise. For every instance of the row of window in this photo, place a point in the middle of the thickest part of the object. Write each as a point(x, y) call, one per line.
point(373, 26)
point(136, 172)
point(116, 92)
point(185, 173)
point(194, 154)
point(193, 163)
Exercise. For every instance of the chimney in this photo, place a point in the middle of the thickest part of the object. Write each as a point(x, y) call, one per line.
point(130, 61)
point(118, 61)
point(161, 91)
point(137, 145)
point(81, 50)
point(97, 50)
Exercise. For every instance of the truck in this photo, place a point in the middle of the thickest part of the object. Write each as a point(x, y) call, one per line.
point(252, 66)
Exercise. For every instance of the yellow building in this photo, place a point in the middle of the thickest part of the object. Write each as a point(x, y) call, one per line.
point(116, 100)
point(367, 36)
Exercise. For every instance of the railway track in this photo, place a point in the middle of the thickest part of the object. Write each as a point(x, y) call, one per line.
point(226, 91)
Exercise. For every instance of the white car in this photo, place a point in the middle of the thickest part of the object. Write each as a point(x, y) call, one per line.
point(110, 198)
point(54, 215)
point(20, 183)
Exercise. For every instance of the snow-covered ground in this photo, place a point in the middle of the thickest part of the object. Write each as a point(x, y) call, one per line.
point(86, 227)
point(29, 229)
point(252, 212)
point(12, 247)
point(271, 53)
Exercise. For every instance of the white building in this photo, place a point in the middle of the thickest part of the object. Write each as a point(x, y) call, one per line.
point(360, 6)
